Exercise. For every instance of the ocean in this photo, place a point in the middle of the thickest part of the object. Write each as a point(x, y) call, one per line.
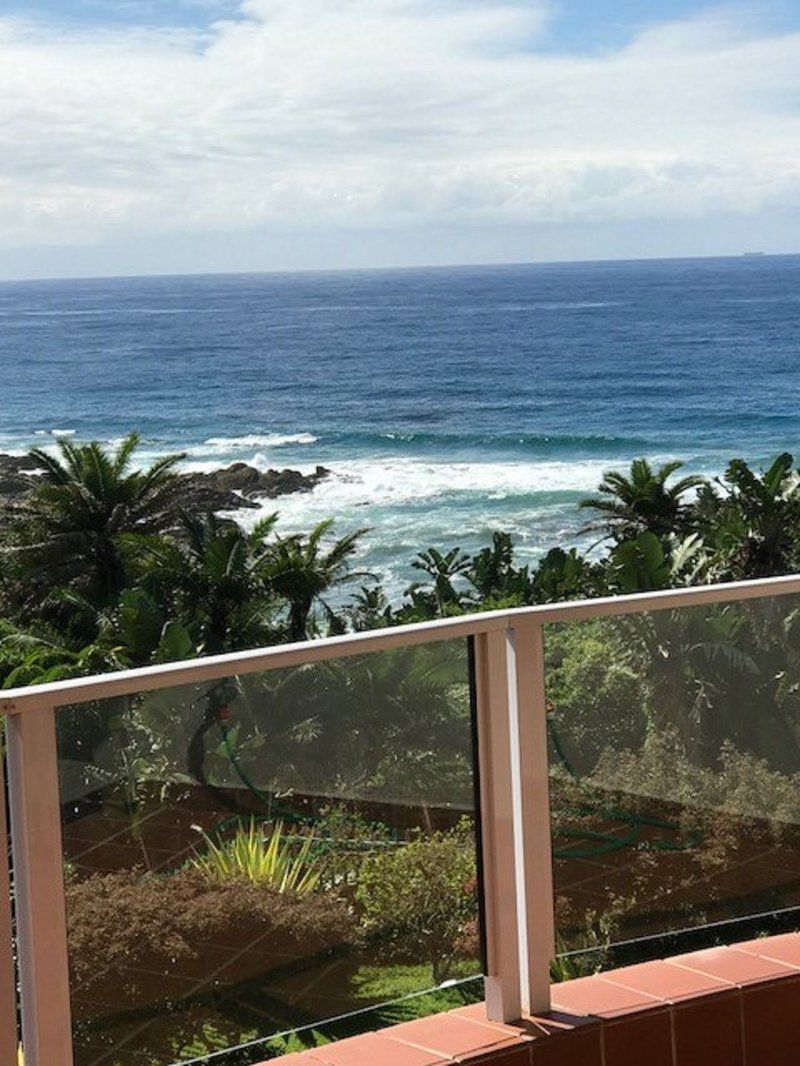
point(448, 402)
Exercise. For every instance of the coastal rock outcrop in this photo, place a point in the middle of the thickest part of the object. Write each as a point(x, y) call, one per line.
point(238, 486)
point(17, 477)
point(230, 488)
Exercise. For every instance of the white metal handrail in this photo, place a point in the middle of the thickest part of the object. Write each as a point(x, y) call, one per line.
point(214, 667)
point(514, 799)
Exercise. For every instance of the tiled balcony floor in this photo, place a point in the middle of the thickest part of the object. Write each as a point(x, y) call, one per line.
point(730, 1006)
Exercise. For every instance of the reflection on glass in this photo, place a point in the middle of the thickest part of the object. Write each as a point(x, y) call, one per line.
point(675, 752)
point(259, 854)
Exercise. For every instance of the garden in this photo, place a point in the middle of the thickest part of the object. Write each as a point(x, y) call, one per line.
point(281, 858)
point(266, 854)
point(277, 859)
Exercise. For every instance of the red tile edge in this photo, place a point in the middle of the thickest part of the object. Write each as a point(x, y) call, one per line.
point(466, 1036)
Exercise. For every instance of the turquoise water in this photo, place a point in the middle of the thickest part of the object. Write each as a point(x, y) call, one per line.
point(448, 402)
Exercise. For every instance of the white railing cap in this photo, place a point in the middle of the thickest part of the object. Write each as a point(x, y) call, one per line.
point(167, 675)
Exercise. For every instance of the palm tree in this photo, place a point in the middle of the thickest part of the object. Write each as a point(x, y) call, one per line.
point(494, 575)
point(369, 608)
point(214, 580)
point(301, 570)
point(563, 575)
point(642, 501)
point(74, 522)
point(441, 569)
point(396, 721)
point(645, 563)
point(754, 525)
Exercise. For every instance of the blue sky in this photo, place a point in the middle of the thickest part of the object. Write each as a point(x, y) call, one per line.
point(194, 13)
point(142, 136)
point(584, 26)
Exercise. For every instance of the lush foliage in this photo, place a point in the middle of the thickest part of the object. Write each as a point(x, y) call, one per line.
point(696, 711)
point(99, 574)
point(262, 858)
point(421, 897)
point(121, 923)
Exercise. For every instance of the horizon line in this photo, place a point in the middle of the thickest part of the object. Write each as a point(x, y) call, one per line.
point(755, 254)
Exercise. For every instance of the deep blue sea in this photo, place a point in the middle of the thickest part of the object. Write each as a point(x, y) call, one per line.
point(448, 402)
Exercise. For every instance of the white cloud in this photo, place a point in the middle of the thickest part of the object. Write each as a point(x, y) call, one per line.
point(384, 113)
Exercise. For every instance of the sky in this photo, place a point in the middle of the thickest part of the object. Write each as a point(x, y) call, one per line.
point(176, 136)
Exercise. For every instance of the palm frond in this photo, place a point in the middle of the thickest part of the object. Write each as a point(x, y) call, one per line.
point(124, 453)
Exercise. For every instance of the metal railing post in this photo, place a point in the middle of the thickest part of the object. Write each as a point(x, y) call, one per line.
point(532, 779)
point(8, 981)
point(39, 887)
point(499, 844)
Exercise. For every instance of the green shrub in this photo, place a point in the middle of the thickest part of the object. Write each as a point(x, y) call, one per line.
point(121, 924)
point(741, 785)
point(597, 696)
point(721, 806)
point(344, 841)
point(421, 898)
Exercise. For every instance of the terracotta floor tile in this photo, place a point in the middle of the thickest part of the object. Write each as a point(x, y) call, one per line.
point(451, 1036)
point(704, 1027)
point(733, 965)
point(107, 858)
point(476, 1013)
point(709, 1032)
point(645, 1040)
point(772, 1023)
point(167, 984)
point(600, 998)
point(371, 1049)
point(556, 1022)
point(567, 872)
point(667, 982)
point(752, 879)
point(784, 948)
point(783, 859)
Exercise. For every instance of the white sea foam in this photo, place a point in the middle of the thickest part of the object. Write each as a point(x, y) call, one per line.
point(256, 440)
point(359, 486)
point(197, 466)
point(562, 305)
point(54, 433)
point(411, 503)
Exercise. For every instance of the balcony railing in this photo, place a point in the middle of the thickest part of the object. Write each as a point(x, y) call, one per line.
point(356, 746)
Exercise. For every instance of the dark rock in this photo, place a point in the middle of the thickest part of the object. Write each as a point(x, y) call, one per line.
point(231, 488)
point(17, 478)
point(16, 464)
point(16, 474)
point(240, 486)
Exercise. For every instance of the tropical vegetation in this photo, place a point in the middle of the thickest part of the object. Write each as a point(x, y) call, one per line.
point(329, 797)
point(99, 573)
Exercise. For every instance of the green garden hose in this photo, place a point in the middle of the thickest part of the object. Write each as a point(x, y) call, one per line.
point(274, 807)
point(598, 843)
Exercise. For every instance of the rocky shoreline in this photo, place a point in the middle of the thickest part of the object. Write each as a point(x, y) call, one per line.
point(230, 488)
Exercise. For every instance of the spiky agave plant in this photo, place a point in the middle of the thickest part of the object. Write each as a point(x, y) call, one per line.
point(275, 861)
